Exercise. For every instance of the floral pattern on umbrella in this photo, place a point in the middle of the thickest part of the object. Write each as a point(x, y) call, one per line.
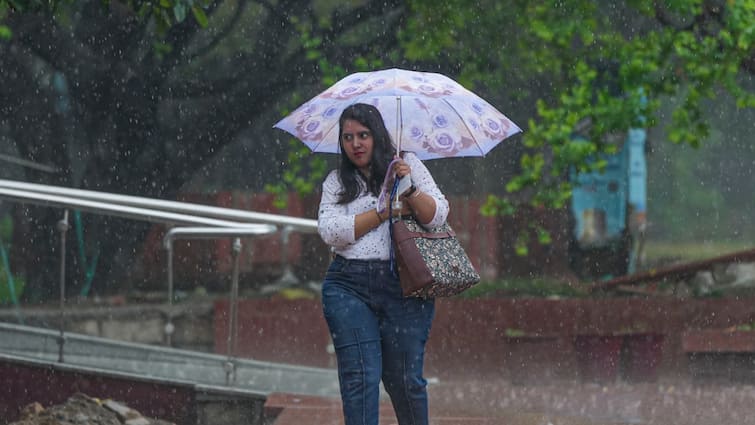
point(427, 113)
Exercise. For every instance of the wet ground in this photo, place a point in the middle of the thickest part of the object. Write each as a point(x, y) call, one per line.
point(489, 403)
point(487, 400)
point(680, 403)
point(482, 403)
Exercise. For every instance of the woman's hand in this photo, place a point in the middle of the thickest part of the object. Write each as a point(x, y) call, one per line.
point(401, 168)
point(403, 171)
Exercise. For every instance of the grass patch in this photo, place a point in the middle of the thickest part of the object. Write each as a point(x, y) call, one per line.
point(656, 253)
point(692, 251)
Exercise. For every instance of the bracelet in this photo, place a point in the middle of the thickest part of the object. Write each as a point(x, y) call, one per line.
point(416, 193)
point(412, 190)
point(380, 219)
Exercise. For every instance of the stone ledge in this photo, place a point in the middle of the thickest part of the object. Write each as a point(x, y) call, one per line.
point(718, 341)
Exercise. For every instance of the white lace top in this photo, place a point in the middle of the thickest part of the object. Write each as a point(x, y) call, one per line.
point(336, 221)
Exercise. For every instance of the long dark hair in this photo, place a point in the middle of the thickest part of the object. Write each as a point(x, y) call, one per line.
point(382, 153)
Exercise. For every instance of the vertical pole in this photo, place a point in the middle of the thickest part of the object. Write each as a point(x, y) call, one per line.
point(288, 278)
point(399, 125)
point(169, 327)
point(62, 228)
point(399, 129)
point(233, 319)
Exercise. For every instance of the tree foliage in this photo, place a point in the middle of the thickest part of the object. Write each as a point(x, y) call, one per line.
point(602, 66)
point(135, 96)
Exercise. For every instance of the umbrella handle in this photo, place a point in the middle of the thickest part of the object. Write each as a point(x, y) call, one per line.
point(384, 188)
point(394, 193)
point(404, 184)
point(396, 204)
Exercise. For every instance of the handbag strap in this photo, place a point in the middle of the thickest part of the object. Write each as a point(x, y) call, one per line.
point(394, 269)
point(400, 232)
point(437, 235)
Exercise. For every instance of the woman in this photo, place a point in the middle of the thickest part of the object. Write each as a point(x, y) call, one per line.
point(377, 333)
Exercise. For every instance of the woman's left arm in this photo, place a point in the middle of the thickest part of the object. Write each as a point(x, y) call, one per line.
point(427, 202)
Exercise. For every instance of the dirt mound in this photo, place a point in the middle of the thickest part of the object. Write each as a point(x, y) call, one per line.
point(83, 409)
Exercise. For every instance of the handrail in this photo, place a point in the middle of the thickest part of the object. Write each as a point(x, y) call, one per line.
point(300, 224)
point(212, 233)
point(124, 211)
point(288, 223)
point(146, 214)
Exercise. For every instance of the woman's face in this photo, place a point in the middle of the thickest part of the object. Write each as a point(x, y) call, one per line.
point(357, 143)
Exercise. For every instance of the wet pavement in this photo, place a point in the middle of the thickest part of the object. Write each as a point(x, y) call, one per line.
point(566, 403)
point(483, 403)
point(481, 398)
point(670, 403)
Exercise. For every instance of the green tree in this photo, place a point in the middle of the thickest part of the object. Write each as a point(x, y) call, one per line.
point(135, 96)
point(608, 64)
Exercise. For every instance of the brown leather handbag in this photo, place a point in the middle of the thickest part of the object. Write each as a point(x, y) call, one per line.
point(431, 263)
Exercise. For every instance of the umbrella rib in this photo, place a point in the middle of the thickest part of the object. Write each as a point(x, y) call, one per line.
point(329, 129)
point(482, 152)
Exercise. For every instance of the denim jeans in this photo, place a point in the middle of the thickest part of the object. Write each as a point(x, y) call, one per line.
point(377, 334)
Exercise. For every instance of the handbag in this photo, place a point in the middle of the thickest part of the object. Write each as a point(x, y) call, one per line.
point(431, 263)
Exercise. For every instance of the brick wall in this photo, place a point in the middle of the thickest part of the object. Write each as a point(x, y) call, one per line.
point(489, 242)
point(469, 336)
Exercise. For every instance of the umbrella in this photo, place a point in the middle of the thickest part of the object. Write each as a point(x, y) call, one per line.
point(428, 114)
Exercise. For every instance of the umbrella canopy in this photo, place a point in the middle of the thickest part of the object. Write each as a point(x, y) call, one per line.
point(426, 113)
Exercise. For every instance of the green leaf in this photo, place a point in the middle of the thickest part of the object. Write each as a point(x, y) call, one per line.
point(520, 247)
point(144, 9)
point(5, 32)
point(543, 236)
point(200, 16)
point(179, 11)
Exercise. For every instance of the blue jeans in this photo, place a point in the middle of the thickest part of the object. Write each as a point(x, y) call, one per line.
point(377, 334)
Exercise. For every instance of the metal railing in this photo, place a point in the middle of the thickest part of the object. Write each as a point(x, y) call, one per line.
point(207, 222)
point(298, 224)
point(212, 233)
point(289, 224)
point(116, 210)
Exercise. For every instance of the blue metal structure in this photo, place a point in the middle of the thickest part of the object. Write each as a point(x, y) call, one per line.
point(609, 212)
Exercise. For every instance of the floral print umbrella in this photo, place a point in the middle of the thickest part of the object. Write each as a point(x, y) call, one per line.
point(426, 113)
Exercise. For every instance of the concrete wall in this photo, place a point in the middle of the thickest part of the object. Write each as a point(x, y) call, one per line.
point(143, 323)
point(469, 337)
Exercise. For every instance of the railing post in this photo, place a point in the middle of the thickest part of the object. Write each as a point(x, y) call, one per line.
point(229, 365)
point(63, 229)
point(233, 319)
point(169, 327)
point(288, 276)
